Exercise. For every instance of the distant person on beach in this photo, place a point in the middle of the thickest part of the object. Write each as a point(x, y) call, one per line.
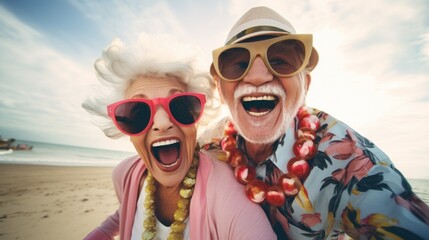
point(172, 189)
point(316, 178)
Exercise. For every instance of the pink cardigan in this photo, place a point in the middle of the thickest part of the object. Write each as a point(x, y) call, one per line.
point(219, 208)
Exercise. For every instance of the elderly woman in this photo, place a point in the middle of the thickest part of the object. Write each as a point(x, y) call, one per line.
point(171, 189)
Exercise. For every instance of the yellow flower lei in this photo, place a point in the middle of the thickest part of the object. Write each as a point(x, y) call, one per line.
point(182, 211)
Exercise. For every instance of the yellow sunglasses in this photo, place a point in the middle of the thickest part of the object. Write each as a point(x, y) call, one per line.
point(284, 56)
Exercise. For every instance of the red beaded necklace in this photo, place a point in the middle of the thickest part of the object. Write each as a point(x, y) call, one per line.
point(288, 185)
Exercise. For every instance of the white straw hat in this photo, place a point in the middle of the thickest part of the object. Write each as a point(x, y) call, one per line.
point(264, 21)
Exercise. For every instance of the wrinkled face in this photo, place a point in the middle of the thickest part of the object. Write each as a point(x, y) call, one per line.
point(165, 148)
point(262, 106)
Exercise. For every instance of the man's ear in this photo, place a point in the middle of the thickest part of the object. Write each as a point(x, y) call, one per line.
point(307, 81)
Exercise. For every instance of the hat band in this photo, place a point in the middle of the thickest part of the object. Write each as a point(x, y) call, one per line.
point(253, 30)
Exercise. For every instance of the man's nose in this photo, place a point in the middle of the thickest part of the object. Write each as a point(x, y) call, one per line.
point(258, 73)
point(161, 120)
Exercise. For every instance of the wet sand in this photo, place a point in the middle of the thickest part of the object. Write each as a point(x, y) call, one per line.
point(50, 202)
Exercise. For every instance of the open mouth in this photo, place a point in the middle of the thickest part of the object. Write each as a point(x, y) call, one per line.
point(259, 106)
point(166, 152)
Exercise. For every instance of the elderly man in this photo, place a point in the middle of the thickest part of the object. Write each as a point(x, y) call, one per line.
point(315, 177)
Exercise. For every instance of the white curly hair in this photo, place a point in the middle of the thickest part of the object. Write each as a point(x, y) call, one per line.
point(154, 56)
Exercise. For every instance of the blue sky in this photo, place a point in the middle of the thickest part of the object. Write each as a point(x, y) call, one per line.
point(373, 72)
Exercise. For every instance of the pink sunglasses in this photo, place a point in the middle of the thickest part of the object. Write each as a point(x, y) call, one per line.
point(135, 116)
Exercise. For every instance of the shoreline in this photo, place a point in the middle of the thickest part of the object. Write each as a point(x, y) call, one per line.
point(53, 202)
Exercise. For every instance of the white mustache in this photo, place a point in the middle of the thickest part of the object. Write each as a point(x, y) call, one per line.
point(243, 90)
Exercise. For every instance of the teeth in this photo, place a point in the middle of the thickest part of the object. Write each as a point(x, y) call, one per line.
point(170, 165)
point(260, 98)
point(165, 143)
point(258, 114)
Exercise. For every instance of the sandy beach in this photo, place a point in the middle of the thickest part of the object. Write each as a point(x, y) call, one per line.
point(50, 202)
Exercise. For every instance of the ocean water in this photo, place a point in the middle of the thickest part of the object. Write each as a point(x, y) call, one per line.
point(421, 188)
point(62, 155)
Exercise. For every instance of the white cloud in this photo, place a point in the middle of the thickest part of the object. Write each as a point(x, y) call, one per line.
point(41, 88)
point(127, 19)
point(425, 46)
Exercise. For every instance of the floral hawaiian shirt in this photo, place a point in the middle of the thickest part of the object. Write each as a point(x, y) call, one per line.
point(353, 189)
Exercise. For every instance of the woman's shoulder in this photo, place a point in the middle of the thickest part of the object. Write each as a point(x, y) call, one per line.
point(123, 168)
point(216, 173)
point(126, 163)
point(210, 162)
point(227, 206)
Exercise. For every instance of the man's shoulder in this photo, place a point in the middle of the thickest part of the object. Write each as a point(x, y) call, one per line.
point(330, 124)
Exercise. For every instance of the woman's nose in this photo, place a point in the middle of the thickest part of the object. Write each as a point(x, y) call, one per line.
point(258, 73)
point(161, 120)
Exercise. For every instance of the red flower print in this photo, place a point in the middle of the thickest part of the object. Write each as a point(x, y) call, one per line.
point(344, 148)
point(415, 205)
point(327, 137)
point(357, 168)
point(311, 219)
